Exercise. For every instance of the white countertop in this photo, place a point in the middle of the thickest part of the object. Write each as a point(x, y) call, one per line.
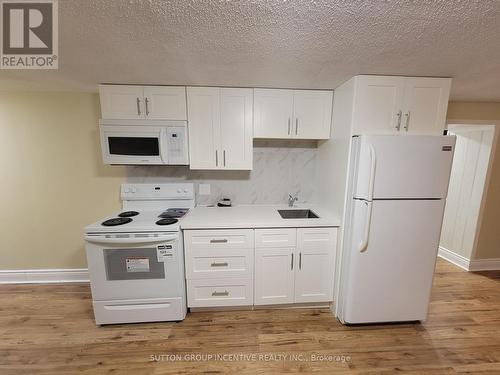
point(254, 216)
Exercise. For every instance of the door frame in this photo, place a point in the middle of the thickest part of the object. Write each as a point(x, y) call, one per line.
point(480, 125)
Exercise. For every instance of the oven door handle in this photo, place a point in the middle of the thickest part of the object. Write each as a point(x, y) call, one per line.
point(121, 240)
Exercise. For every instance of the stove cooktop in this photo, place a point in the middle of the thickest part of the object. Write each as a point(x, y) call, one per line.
point(139, 221)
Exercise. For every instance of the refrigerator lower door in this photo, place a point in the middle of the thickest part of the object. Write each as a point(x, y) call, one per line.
point(391, 261)
point(409, 167)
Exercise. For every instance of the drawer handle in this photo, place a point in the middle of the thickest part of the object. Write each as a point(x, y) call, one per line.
point(222, 264)
point(219, 294)
point(224, 240)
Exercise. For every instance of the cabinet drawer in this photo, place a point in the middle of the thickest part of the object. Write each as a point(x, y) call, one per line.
point(201, 264)
point(275, 238)
point(220, 292)
point(219, 239)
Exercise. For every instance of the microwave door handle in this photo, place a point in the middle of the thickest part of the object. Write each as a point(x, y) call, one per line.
point(163, 146)
point(132, 240)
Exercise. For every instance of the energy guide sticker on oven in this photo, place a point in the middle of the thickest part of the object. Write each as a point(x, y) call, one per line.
point(137, 264)
point(164, 252)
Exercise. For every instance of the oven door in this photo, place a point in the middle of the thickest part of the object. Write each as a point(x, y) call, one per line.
point(135, 266)
point(133, 144)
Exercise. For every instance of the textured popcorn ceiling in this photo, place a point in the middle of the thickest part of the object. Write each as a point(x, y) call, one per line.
point(306, 44)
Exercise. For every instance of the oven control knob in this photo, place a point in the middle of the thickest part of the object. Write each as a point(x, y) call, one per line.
point(133, 189)
point(179, 190)
point(186, 191)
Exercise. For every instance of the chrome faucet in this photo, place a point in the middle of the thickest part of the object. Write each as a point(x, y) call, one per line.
point(292, 200)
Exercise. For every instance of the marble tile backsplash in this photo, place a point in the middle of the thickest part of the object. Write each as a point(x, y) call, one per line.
point(280, 167)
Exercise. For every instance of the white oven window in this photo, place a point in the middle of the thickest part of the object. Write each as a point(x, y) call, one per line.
point(133, 264)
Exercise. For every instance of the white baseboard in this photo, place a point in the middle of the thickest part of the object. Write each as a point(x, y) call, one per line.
point(38, 276)
point(492, 264)
point(454, 258)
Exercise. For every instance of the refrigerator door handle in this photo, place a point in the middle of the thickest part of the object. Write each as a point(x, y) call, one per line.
point(373, 158)
point(364, 244)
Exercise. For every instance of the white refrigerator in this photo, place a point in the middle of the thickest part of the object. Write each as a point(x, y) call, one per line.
point(396, 195)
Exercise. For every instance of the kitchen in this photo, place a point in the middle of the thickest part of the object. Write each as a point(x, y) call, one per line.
point(308, 173)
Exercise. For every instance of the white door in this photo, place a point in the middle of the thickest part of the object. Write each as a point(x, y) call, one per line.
point(312, 114)
point(378, 102)
point(273, 113)
point(468, 176)
point(391, 279)
point(403, 167)
point(204, 123)
point(236, 118)
point(274, 275)
point(314, 273)
point(122, 102)
point(425, 105)
point(165, 103)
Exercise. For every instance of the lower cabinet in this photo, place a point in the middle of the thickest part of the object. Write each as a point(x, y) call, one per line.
point(295, 271)
point(219, 267)
point(244, 267)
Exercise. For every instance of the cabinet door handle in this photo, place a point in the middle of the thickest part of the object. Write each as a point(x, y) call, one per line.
point(291, 265)
point(224, 157)
point(398, 125)
point(216, 159)
point(146, 101)
point(300, 261)
point(296, 126)
point(138, 106)
point(220, 264)
point(289, 125)
point(222, 240)
point(407, 124)
point(218, 294)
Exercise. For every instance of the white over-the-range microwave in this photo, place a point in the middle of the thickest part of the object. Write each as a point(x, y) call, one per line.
point(144, 142)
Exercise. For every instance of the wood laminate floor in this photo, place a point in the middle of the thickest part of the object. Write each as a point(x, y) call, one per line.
point(49, 329)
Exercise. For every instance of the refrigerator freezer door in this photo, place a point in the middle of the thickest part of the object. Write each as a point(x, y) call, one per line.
point(390, 278)
point(409, 167)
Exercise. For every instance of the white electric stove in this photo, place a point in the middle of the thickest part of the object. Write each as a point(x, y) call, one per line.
point(136, 257)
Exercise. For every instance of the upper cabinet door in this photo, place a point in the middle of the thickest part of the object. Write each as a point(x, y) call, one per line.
point(378, 101)
point(165, 103)
point(273, 113)
point(204, 125)
point(312, 114)
point(425, 105)
point(122, 102)
point(236, 138)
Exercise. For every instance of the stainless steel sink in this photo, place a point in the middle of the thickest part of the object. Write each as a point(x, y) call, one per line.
point(297, 214)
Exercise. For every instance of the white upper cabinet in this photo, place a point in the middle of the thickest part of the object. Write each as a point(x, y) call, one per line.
point(425, 106)
point(273, 113)
point(400, 105)
point(300, 114)
point(204, 126)
point(143, 102)
point(378, 104)
point(312, 114)
point(236, 135)
point(220, 128)
point(121, 102)
point(165, 103)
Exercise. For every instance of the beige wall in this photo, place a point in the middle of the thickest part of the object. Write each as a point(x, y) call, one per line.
point(53, 182)
point(488, 245)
